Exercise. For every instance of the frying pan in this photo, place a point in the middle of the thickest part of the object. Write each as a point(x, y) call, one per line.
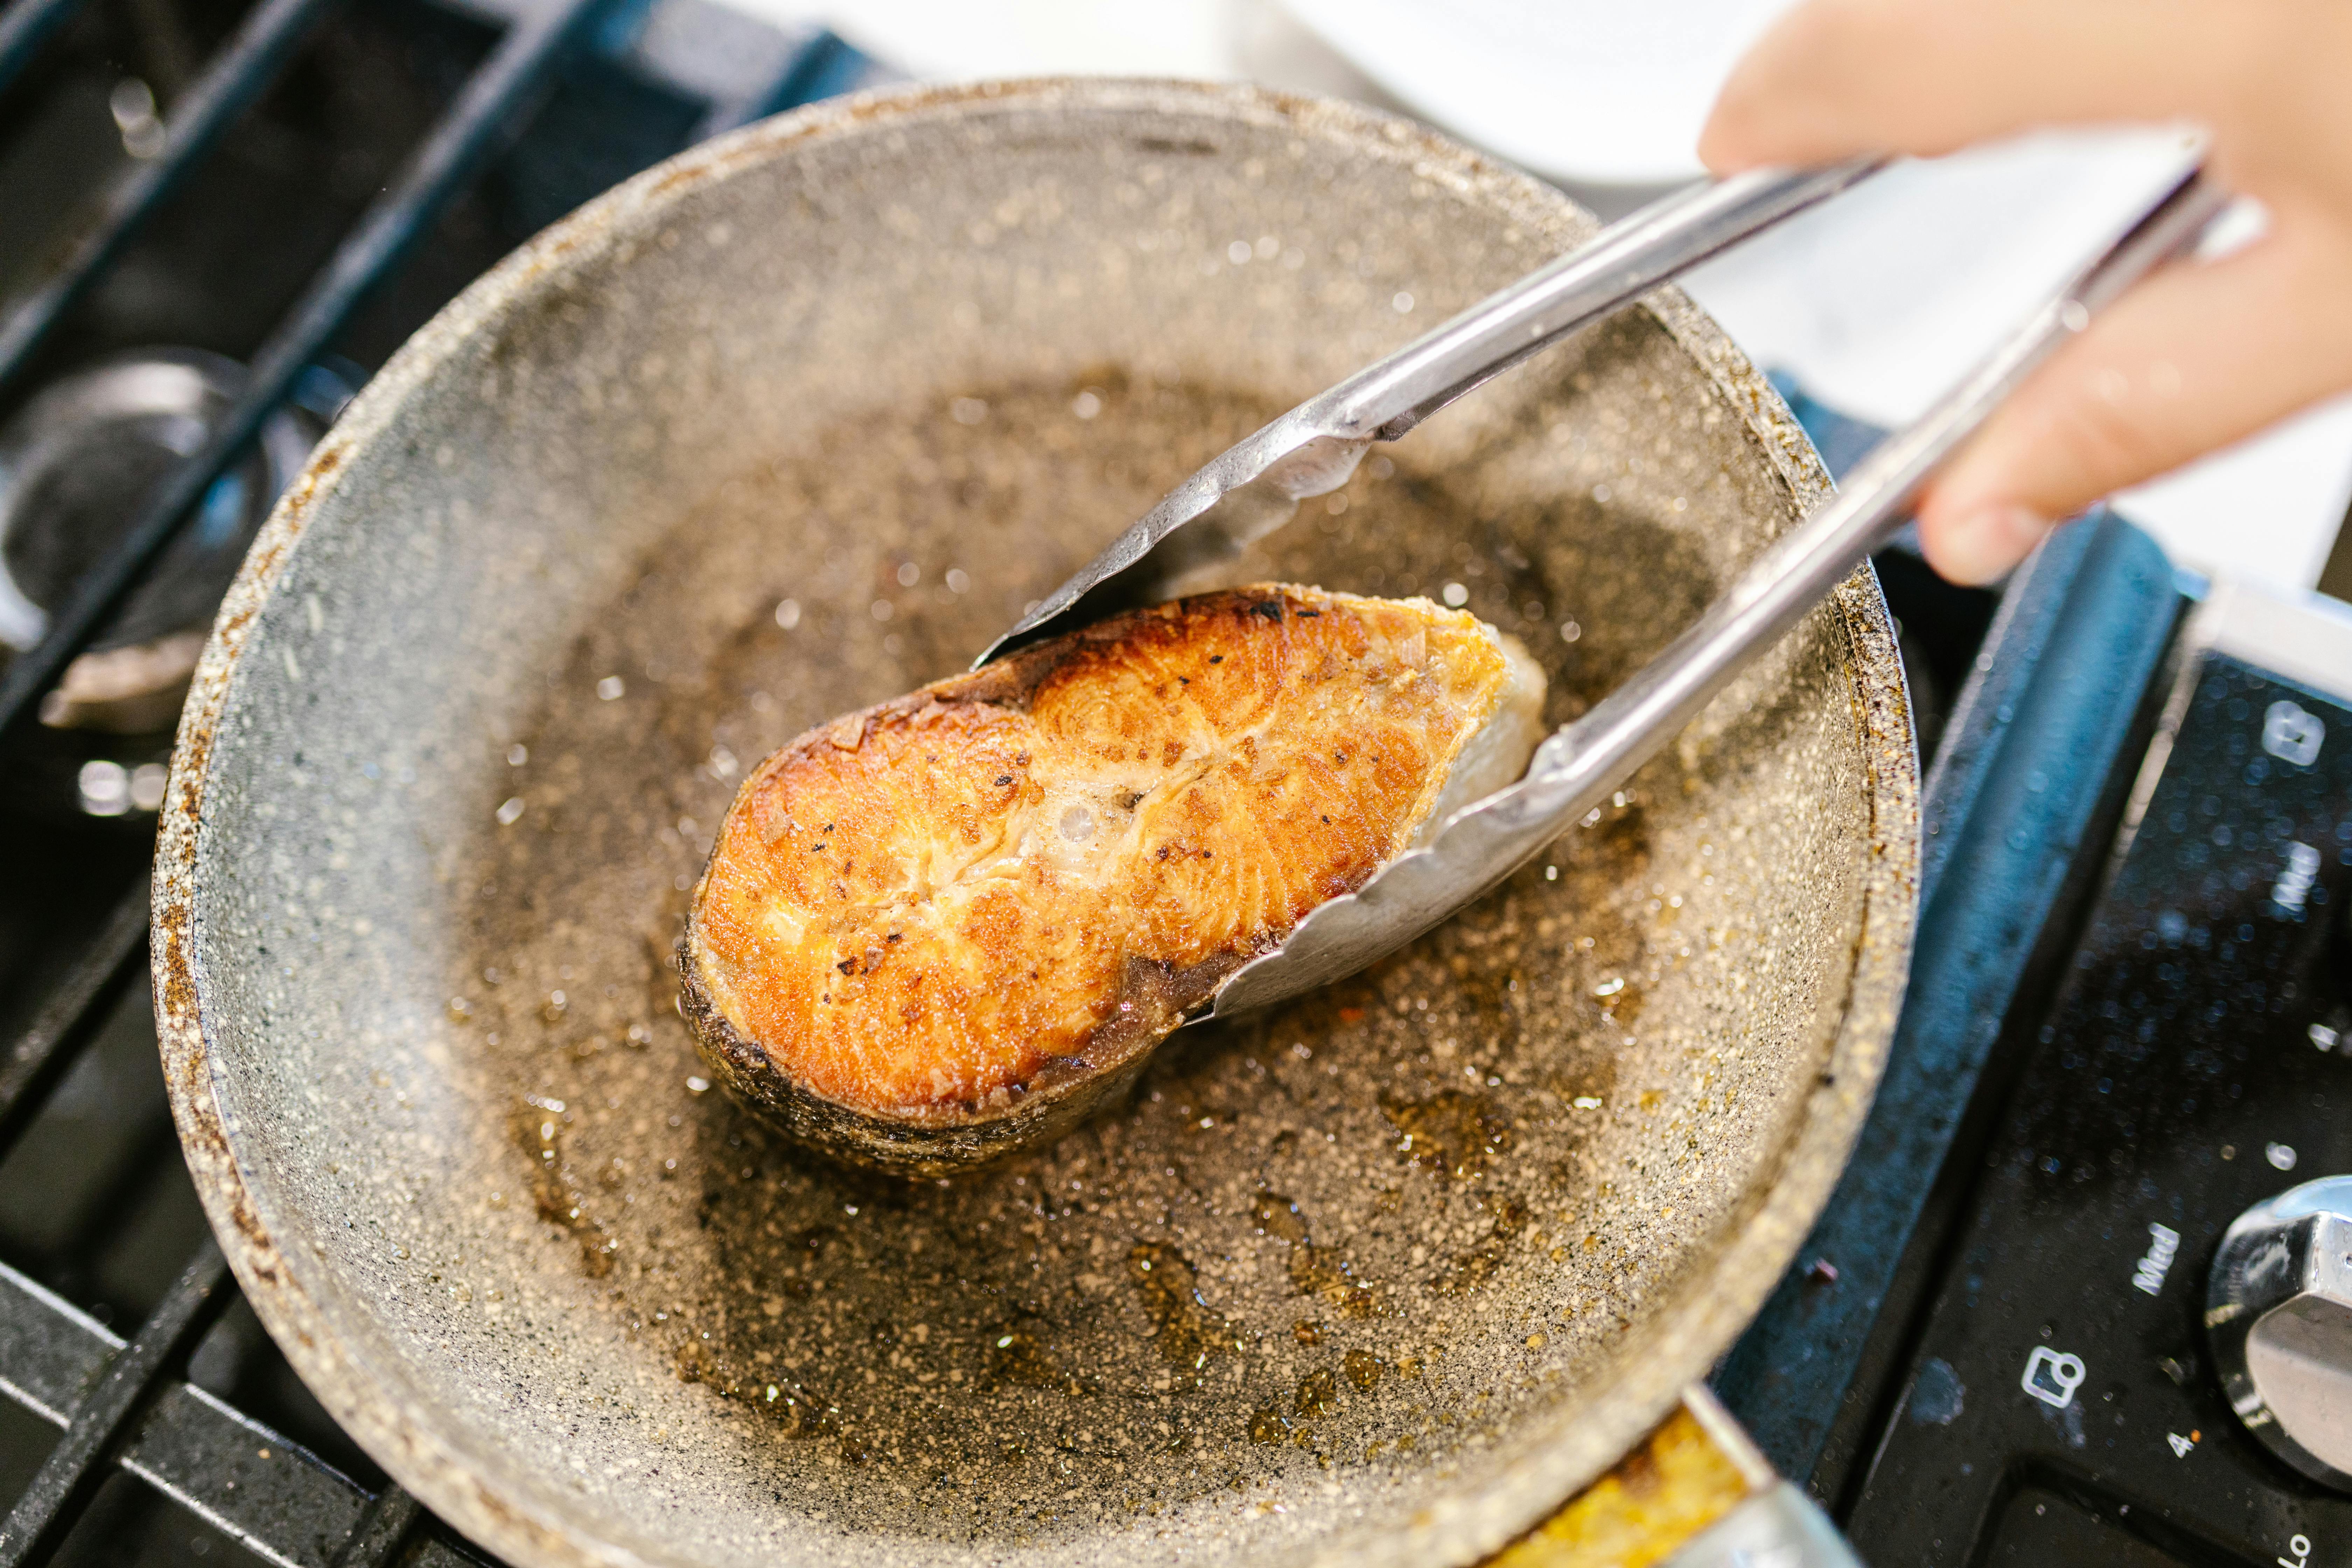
point(793, 423)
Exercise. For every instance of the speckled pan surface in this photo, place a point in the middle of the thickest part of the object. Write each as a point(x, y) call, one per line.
point(790, 425)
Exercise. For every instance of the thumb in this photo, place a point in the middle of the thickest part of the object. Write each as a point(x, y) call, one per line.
point(2193, 359)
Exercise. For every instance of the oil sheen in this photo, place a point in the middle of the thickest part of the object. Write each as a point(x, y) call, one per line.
point(1268, 1266)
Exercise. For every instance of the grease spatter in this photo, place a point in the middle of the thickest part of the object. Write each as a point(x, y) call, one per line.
point(696, 1365)
point(1015, 1356)
point(795, 1410)
point(1307, 1332)
point(1510, 1214)
point(1466, 1271)
point(557, 1189)
point(1469, 1270)
point(1319, 1392)
point(1621, 1001)
point(1623, 832)
point(1314, 1270)
point(799, 1412)
point(1321, 1271)
point(1451, 1132)
point(1267, 1428)
point(1187, 1331)
point(1363, 1369)
point(1278, 1216)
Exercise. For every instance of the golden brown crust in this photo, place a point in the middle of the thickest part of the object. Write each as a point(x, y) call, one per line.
point(938, 923)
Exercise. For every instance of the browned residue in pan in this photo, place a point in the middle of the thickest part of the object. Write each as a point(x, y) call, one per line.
point(1268, 1262)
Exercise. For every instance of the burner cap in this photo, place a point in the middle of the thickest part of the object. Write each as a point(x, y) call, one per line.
point(75, 465)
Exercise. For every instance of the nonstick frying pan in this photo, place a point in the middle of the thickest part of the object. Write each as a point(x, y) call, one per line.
point(791, 424)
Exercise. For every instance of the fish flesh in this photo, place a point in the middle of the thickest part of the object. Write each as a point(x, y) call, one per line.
point(956, 923)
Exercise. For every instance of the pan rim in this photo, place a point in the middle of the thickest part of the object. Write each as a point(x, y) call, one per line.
point(436, 1459)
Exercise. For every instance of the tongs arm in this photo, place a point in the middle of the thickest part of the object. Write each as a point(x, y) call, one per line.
point(1621, 264)
point(1576, 768)
point(1253, 486)
point(1625, 727)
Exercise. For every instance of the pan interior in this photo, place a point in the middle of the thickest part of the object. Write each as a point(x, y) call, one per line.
point(787, 442)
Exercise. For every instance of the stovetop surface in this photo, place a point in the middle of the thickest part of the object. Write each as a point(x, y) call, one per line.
point(2177, 1080)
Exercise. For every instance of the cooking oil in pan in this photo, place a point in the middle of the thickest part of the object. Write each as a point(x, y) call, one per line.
point(1349, 1234)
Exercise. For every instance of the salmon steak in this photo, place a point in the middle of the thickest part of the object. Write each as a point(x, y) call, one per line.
point(957, 923)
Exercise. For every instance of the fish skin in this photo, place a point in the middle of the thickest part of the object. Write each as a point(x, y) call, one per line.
point(957, 922)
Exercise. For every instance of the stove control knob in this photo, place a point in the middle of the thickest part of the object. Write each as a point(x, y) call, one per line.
point(2278, 1312)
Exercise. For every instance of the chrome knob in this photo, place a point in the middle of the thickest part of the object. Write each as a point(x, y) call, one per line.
point(2278, 1312)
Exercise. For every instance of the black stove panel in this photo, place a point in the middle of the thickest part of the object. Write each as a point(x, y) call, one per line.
point(2060, 1406)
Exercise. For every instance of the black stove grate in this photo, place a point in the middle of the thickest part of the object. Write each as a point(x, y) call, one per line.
point(497, 92)
point(205, 1475)
point(229, 87)
point(23, 28)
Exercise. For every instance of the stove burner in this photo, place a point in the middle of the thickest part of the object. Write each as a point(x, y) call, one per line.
point(74, 466)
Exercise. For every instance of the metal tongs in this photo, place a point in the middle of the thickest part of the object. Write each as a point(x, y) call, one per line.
point(1255, 486)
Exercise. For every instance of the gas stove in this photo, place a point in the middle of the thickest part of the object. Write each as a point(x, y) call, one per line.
point(2124, 1057)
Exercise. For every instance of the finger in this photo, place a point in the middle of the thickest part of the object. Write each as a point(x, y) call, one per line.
point(1838, 77)
point(2193, 359)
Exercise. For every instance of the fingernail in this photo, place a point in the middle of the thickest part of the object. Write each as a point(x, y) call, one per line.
point(1982, 545)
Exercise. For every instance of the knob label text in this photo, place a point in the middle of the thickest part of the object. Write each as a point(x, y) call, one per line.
point(2163, 1243)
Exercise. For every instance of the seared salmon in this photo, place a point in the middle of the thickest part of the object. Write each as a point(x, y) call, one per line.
point(957, 922)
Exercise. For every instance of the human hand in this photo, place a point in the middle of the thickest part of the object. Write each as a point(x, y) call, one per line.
point(2196, 356)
